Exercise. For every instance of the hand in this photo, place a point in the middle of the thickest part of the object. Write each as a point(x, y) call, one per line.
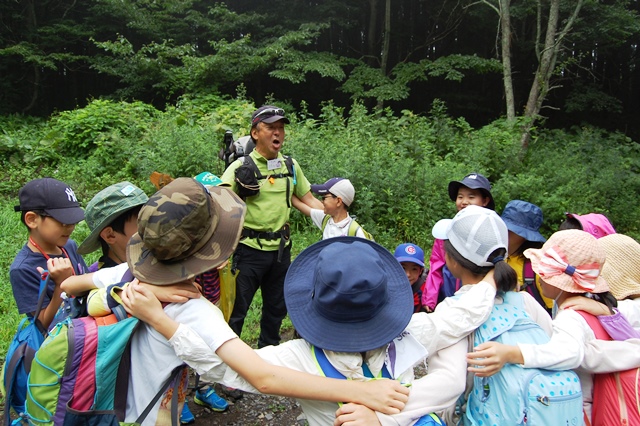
point(581, 303)
point(174, 293)
point(355, 415)
point(140, 302)
point(59, 268)
point(489, 278)
point(488, 358)
point(384, 395)
point(427, 309)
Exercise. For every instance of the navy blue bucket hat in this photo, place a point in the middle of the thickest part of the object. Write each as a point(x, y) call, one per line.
point(524, 219)
point(348, 294)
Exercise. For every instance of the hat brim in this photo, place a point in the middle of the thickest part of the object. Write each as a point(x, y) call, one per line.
point(319, 189)
point(91, 243)
point(441, 228)
point(354, 336)
point(411, 260)
point(68, 216)
point(525, 233)
point(455, 185)
point(274, 118)
point(563, 281)
point(221, 244)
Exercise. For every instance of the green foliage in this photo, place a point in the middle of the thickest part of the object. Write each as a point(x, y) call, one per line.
point(78, 132)
point(400, 165)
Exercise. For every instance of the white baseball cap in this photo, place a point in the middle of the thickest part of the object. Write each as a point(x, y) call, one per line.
point(475, 232)
point(340, 187)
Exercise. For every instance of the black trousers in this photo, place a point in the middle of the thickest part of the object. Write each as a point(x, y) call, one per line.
point(261, 269)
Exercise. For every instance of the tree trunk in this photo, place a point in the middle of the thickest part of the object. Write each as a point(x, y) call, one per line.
point(372, 33)
point(385, 47)
point(505, 27)
point(546, 64)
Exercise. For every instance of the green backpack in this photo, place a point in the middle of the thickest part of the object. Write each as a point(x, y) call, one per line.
point(353, 228)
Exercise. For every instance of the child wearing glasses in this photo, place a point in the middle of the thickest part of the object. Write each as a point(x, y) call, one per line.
point(334, 220)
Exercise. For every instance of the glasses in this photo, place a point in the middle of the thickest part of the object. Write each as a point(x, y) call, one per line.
point(324, 197)
point(268, 112)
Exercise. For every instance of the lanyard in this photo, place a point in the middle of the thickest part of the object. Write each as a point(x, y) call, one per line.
point(46, 256)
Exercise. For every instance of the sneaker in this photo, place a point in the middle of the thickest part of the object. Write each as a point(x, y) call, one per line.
point(186, 417)
point(209, 398)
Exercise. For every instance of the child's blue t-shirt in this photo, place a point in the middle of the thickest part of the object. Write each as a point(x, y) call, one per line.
point(25, 278)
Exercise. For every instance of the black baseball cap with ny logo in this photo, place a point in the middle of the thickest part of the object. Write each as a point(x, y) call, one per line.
point(52, 196)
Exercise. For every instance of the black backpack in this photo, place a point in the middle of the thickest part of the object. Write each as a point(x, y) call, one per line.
point(248, 177)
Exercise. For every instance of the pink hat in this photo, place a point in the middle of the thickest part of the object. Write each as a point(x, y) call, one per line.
point(594, 223)
point(570, 260)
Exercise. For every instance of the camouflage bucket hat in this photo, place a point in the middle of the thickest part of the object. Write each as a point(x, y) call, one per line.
point(106, 206)
point(184, 230)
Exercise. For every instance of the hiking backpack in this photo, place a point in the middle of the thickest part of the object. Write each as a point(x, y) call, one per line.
point(353, 227)
point(80, 374)
point(232, 150)
point(28, 338)
point(517, 395)
point(616, 399)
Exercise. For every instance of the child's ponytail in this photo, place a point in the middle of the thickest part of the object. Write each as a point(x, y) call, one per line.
point(504, 275)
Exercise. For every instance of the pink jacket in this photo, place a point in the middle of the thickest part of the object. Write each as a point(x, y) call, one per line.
point(434, 278)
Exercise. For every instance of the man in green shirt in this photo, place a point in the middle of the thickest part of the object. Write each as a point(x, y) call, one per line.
point(264, 253)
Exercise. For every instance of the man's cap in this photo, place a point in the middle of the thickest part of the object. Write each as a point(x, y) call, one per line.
point(348, 294)
point(621, 270)
point(105, 207)
point(268, 114)
point(409, 252)
point(595, 224)
point(571, 261)
point(52, 196)
point(208, 179)
point(340, 187)
point(524, 219)
point(473, 181)
point(475, 232)
point(184, 230)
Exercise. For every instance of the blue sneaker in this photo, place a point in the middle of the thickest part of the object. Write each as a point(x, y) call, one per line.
point(209, 398)
point(186, 417)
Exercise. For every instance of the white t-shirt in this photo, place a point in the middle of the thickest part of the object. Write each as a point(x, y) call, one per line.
point(153, 357)
point(333, 229)
point(104, 277)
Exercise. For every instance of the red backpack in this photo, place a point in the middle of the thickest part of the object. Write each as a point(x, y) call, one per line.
point(616, 396)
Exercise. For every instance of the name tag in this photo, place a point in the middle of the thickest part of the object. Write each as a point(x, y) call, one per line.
point(403, 353)
point(274, 164)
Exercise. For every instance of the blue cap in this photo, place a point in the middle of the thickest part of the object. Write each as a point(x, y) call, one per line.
point(409, 252)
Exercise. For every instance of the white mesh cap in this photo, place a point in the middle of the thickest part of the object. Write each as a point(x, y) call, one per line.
point(475, 232)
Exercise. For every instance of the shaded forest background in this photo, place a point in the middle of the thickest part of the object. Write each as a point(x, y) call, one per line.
point(56, 55)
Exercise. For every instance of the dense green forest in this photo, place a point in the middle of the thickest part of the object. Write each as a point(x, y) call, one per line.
point(554, 62)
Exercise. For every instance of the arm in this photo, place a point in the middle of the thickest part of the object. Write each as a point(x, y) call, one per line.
point(455, 317)
point(298, 204)
point(59, 269)
point(438, 390)
point(78, 285)
point(564, 351)
point(615, 324)
point(387, 396)
point(311, 201)
point(434, 278)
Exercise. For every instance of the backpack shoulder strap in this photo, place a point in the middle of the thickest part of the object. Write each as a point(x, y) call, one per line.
point(528, 274)
point(325, 221)
point(353, 228)
point(248, 161)
point(323, 364)
point(594, 324)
